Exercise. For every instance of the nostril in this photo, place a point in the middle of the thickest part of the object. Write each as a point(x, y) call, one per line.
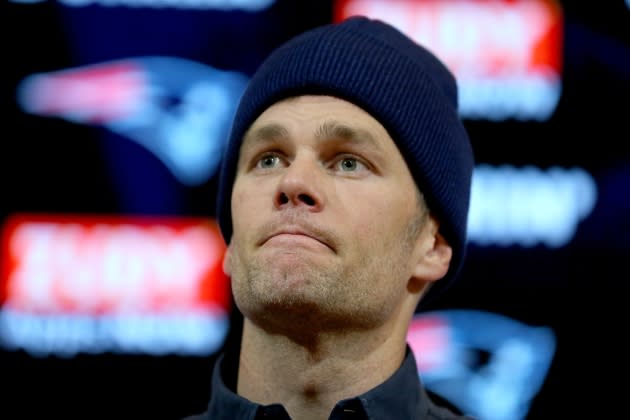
point(307, 199)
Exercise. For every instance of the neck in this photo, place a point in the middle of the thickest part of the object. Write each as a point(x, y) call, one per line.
point(308, 377)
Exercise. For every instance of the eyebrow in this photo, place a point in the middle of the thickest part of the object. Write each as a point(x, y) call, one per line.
point(266, 133)
point(329, 130)
point(355, 135)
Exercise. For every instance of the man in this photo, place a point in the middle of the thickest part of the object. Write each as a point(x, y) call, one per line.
point(343, 198)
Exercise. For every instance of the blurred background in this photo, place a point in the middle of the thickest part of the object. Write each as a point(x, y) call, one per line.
point(112, 300)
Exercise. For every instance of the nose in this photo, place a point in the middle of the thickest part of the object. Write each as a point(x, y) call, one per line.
point(301, 186)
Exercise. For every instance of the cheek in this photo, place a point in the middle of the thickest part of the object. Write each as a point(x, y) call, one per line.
point(381, 224)
point(243, 205)
point(236, 209)
point(371, 225)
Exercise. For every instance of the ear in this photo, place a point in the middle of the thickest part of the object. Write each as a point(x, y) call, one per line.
point(433, 253)
point(226, 261)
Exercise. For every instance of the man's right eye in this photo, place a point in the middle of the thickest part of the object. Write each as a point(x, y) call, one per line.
point(268, 161)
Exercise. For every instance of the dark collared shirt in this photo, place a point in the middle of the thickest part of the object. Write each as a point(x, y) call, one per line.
point(402, 396)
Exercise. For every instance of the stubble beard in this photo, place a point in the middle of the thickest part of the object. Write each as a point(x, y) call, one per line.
point(310, 297)
point(284, 299)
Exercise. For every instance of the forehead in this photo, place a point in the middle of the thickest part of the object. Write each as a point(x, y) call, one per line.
point(311, 111)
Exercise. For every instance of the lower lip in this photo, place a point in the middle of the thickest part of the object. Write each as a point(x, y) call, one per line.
point(295, 240)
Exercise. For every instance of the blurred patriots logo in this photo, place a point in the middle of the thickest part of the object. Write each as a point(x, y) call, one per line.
point(180, 110)
point(488, 365)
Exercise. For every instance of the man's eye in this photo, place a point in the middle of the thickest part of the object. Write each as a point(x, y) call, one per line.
point(268, 161)
point(349, 164)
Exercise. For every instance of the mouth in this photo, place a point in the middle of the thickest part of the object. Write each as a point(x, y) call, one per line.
point(298, 235)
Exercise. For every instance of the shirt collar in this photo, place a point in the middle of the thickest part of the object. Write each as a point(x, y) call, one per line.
point(225, 403)
point(400, 396)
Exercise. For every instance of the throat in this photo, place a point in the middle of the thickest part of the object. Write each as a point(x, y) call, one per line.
point(275, 368)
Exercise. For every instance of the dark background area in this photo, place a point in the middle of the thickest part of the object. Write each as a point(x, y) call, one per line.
point(53, 166)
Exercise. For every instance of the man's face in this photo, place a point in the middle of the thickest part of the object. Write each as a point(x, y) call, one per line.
point(325, 218)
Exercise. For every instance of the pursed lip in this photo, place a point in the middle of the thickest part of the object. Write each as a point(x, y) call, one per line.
point(295, 230)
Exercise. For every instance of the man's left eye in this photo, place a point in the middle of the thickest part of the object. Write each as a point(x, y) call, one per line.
point(349, 164)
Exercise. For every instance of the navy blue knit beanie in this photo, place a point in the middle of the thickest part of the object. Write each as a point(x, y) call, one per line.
point(402, 85)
